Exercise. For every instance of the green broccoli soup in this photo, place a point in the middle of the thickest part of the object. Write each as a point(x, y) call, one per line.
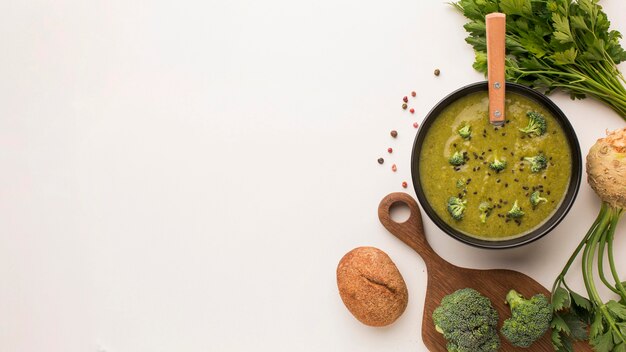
point(495, 183)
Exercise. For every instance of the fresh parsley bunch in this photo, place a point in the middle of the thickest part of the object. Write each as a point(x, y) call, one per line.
point(554, 44)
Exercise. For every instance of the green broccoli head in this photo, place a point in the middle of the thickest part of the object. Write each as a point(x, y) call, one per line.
point(515, 212)
point(492, 343)
point(465, 132)
point(456, 207)
point(457, 159)
point(537, 163)
point(530, 319)
point(536, 124)
point(485, 209)
point(468, 322)
point(497, 165)
point(461, 183)
point(536, 198)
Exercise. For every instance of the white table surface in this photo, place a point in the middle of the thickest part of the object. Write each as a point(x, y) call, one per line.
point(185, 176)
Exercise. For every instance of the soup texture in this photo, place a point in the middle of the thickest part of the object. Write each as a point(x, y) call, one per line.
point(482, 197)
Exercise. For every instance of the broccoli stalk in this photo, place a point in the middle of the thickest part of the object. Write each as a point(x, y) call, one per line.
point(537, 163)
point(457, 159)
point(485, 210)
point(536, 198)
point(515, 212)
point(468, 322)
point(530, 319)
point(461, 183)
point(456, 207)
point(536, 124)
point(465, 132)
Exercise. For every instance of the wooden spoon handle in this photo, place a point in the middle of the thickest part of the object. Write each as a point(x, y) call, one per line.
point(411, 231)
point(496, 34)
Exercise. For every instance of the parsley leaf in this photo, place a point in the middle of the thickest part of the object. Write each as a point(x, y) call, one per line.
point(554, 45)
point(560, 299)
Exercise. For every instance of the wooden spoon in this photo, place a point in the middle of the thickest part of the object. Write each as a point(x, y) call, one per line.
point(445, 278)
point(496, 34)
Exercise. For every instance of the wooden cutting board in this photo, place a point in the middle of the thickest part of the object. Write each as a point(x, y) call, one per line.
point(445, 278)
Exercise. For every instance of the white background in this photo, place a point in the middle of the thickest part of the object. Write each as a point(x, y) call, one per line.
point(185, 176)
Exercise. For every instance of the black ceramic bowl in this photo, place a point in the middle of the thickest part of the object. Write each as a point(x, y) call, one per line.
point(556, 217)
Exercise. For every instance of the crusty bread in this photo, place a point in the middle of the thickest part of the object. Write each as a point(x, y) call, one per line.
point(371, 286)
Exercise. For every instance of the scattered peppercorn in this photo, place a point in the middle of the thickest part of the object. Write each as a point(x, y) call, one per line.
point(412, 111)
point(394, 168)
point(389, 150)
point(404, 106)
point(437, 72)
point(381, 160)
point(394, 133)
point(404, 184)
point(413, 94)
point(415, 124)
point(405, 99)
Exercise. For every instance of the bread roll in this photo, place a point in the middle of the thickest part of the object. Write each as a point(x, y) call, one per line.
point(371, 286)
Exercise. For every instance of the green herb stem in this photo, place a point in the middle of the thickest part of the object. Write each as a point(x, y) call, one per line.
point(616, 215)
point(601, 251)
point(561, 277)
point(588, 255)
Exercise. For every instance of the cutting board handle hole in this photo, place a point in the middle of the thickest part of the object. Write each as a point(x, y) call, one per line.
point(399, 212)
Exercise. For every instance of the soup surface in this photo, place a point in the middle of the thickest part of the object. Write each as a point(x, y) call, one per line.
point(475, 181)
